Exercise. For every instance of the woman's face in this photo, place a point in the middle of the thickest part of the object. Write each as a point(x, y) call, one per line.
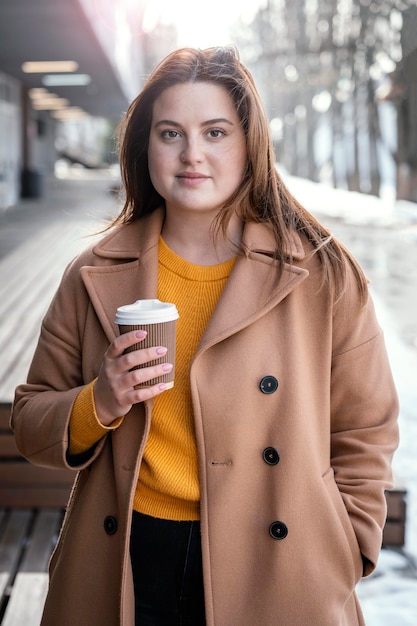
point(197, 147)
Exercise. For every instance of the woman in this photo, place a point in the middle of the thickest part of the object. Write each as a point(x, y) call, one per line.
point(253, 491)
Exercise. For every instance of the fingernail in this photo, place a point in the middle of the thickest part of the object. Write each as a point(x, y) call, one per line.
point(162, 386)
point(140, 334)
point(167, 367)
point(161, 350)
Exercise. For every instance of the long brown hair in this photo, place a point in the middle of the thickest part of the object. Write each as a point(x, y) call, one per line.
point(262, 195)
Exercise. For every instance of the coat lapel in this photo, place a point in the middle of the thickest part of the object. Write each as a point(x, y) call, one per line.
point(253, 288)
point(134, 277)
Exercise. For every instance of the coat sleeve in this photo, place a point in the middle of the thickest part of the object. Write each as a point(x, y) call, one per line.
point(364, 413)
point(42, 406)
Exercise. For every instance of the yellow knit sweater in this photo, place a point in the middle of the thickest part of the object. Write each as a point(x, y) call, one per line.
point(168, 485)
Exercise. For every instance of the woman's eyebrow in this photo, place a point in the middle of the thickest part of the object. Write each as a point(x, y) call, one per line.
point(167, 123)
point(216, 120)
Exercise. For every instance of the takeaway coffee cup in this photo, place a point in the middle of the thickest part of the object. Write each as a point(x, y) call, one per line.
point(159, 320)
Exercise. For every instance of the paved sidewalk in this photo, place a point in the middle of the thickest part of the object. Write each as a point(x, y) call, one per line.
point(81, 200)
point(37, 240)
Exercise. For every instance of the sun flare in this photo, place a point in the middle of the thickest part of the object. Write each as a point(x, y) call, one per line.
point(199, 26)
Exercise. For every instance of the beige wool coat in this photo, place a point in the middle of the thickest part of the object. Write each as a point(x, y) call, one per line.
point(295, 419)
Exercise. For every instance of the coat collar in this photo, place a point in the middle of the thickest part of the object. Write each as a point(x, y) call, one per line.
point(251, 291)
point(133, 240)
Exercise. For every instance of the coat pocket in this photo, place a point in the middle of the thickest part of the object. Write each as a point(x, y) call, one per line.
point(344, 520)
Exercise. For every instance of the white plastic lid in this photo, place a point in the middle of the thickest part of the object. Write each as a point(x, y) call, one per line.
point(150, 311)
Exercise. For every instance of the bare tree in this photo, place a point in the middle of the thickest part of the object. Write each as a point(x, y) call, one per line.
point(322, 66)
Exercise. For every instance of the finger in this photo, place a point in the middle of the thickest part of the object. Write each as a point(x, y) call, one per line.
point(146, 393)
point(143, 375)
point(141, 356)
point(125, 341)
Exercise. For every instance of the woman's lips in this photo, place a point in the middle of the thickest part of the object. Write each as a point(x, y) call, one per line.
point(192, 179)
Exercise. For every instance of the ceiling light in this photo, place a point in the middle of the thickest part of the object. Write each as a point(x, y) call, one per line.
point(51, 104)
point(71, 113)
point(43, 67)
point(66, 80)
point(38, 92)
point(40, 95)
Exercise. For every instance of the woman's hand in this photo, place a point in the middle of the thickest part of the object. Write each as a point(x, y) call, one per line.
point(114, 389)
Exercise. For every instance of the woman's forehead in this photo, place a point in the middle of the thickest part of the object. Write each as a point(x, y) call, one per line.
point(197, 96)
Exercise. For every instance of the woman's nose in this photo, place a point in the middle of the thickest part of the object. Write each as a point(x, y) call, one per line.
point(192, 152)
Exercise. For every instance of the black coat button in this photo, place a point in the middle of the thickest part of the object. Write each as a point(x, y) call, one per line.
point(268, 384)
point(110, 525)
point(271, 456)
point(278, 530)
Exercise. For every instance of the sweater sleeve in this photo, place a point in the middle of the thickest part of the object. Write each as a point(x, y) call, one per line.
point(85, 429)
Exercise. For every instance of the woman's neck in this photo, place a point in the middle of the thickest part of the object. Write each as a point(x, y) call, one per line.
point(199, 243)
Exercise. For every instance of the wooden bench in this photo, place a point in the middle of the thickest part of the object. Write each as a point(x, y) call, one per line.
point(27, 538)
point(32, 503)
point(23, 485)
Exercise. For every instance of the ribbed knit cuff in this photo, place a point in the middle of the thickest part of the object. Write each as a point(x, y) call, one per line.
point(85, 429)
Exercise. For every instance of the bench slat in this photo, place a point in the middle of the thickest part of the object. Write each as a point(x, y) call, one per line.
point(5, 410)
point(25, 485)
point(27, 600)
point(24, 474)
point(8, 448)
point(42, 541)
point(4, 581)
point(52, 497)
point(27, 538)
point(11, 544)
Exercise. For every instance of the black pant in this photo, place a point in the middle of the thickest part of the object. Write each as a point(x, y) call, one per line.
point(167, 572)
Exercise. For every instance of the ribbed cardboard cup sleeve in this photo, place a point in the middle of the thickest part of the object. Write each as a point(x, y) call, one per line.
point(162, 334)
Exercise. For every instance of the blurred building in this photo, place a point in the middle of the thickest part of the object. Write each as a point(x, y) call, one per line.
point(67, 68)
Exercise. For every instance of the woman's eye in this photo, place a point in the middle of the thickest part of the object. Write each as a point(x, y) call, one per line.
point(215, 133)
point(170, 134)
